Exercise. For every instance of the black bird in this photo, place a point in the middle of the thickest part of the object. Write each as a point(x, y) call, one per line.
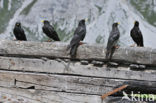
point(79, 35)
point(137, 35)
point(112, 41)
point(19, 32)
point(49, 31)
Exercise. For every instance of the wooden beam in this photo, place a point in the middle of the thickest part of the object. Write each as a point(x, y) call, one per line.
point(40, 96)
point(72, 68)
point(140, 55)
point(59, 83)
point(46, 96)
point(66, 83)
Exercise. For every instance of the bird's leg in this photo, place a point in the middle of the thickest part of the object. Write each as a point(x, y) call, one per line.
point(116, 46)
point(133, 45)
point(19, 41)
point(49, 40)
point(81, 43)
point(14, 39)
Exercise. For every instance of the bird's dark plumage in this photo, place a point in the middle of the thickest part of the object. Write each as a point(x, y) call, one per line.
point(49, 31)
point(79, 35)
point(137, 35)
point(19, 32)
point(112, 41)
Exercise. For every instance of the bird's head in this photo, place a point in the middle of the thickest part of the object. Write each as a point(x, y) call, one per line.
point(115, 24)
point(136, 23)
point(82, 22)
point(18, 24)
point(45, 21)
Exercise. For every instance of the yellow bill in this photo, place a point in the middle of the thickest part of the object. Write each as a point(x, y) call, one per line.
point(86, 19)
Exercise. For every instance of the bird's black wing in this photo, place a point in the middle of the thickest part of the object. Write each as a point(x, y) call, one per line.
point(53, 33)
point(80, 31)
point(15, 31)
point(45, 30)
point(50, 32)
point(113, 38)
point(77, 30)
point(23, 34)
point(75, 40)
point(140, 38)
point(134, 35)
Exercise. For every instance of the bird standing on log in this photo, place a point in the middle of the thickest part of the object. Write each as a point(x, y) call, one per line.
point(19, 32)
point(49, 31)
point(79, 35)
point(137, 35)
point(112, 41)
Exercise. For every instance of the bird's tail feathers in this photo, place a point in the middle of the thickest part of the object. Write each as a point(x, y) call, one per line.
point(68, 47)
point(142, 44)
point(107, 55)
point(73, 51)
point(58, 39)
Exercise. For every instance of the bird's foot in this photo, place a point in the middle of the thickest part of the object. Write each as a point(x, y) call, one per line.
point(116, 47)
point(14, 39)
point(81, 43)
point(132, 45)
point(19, 41)
point(49, 40)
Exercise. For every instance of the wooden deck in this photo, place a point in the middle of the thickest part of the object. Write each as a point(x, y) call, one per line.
point(35, 72)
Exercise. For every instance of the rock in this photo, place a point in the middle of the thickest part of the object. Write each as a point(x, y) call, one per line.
point(134, 66)
point(21, 99)
point(44, 58)
point(97, 63)
point(66, 60)
point(114, 64)
point(142, 66)
point(84, 62)
point(58, 59)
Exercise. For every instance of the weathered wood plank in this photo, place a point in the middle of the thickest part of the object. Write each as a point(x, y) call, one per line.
point(72, 84)
point(69, 84)
point(52, 66)
point(10, 96)
point(140, 55)
point(41, 96)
